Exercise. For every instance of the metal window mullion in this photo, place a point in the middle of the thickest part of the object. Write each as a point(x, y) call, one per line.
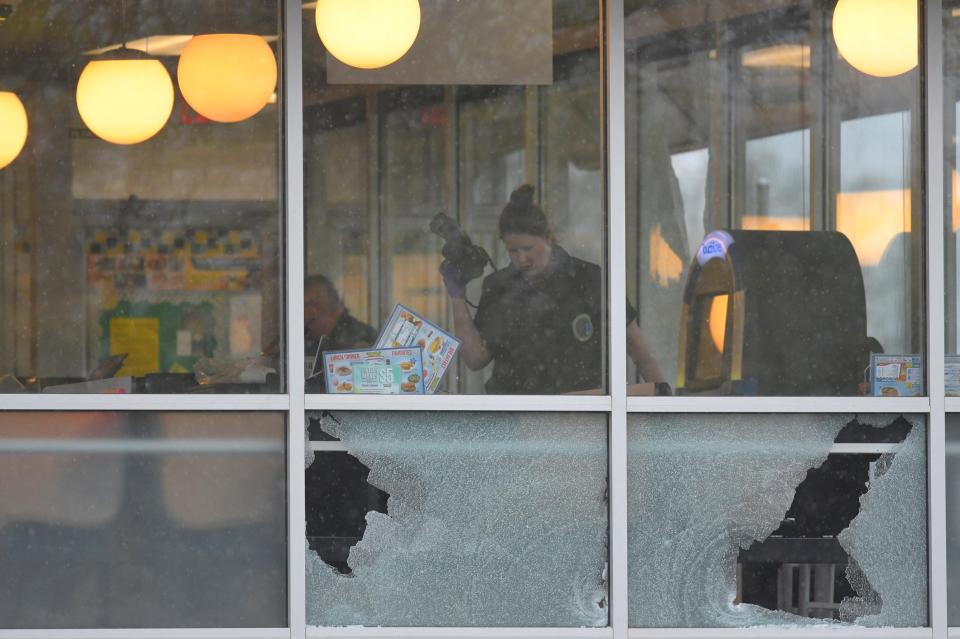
point(932, 100)
point(95, 402)
point(616, 161)
point(293, 200)
point(149, 633)
point(461, 633)
point(680, 404)
point(510, 403)
point(782, 632)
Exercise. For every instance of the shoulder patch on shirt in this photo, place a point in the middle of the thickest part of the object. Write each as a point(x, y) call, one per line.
point(582, 327)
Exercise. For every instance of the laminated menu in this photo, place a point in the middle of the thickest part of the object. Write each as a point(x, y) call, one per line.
point(386, 371)
point(405, 328)
point(896, 375)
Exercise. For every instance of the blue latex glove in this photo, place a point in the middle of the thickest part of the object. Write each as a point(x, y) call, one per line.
point(451, 280)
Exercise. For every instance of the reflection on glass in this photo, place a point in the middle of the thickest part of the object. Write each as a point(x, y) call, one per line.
point(491, 97)
point(142, 520)
point(457, 519)
point(744, 117)
point(873, 210)
point(778, 183)
point(788, 520)
point(141, 266)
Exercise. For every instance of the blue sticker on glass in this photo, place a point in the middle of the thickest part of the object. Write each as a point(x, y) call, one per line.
point(714, 245)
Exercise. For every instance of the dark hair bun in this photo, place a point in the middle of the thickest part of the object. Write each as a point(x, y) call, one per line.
point(523, 195)
point(522, 216)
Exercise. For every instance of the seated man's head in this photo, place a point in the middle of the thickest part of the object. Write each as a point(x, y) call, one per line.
point(322, 306)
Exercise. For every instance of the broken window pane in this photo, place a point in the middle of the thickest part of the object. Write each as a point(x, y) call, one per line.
point(953, 518)
point(741, 520)
point(142, 520)
point(489, 520)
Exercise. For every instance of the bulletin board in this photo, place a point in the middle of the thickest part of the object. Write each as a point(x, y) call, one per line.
point(167, 297)
point(151, 334)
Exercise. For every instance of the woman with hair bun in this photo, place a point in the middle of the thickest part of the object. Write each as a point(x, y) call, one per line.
point(540, 319)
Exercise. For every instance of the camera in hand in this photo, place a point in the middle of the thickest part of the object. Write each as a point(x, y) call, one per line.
point(467, 258)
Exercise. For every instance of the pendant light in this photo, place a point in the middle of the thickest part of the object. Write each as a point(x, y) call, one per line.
point(368, 34)
point(13, 124)
point(125, 97)
point(877, 37)
point(227, 77)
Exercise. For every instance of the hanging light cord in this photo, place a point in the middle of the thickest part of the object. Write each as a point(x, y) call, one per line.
point(123, 24)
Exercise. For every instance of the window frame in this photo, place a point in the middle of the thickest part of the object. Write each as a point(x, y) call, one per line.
point(616, 404)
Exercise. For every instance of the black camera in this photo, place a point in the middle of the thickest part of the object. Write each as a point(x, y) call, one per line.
point(468, 259)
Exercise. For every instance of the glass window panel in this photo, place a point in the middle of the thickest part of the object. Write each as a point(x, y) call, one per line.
point(150, 266)
point(744, 520)
point(953, 518)
point(873, 210)
point(951, 208)
point(457, 519)
point(142, 520)
point(490, 96)
point(744, 117)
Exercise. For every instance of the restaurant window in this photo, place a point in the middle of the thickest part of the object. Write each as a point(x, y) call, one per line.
point(478, 150)
point(140, 222)
point(457, 519)
point(953, 516)
point(789, 519)
point(754, 188)
point(951, 202)
point(774, 212)
point(142, 520)
point(951, 220)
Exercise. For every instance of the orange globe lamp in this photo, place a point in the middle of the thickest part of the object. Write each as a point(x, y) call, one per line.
point(227, 77)
point(126, 99)
point(877, 37)
point(368, 34)
point(13, 127)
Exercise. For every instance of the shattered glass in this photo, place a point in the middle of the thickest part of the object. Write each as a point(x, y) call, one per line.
point(706, 492)
point(492, 520)
point(953, 519)
point(888, 539)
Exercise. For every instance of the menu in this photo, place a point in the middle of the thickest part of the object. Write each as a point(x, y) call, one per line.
point(405, 328)
point(896, 375)
point(386, 371)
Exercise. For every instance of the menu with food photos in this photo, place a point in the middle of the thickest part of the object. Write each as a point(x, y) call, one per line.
point(385, 371)
point(406, 328)
point(896, 375)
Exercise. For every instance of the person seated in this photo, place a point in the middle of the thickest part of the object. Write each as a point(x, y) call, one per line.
point(328, 324)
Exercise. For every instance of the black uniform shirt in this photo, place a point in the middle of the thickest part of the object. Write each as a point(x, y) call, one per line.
point(545, 332)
